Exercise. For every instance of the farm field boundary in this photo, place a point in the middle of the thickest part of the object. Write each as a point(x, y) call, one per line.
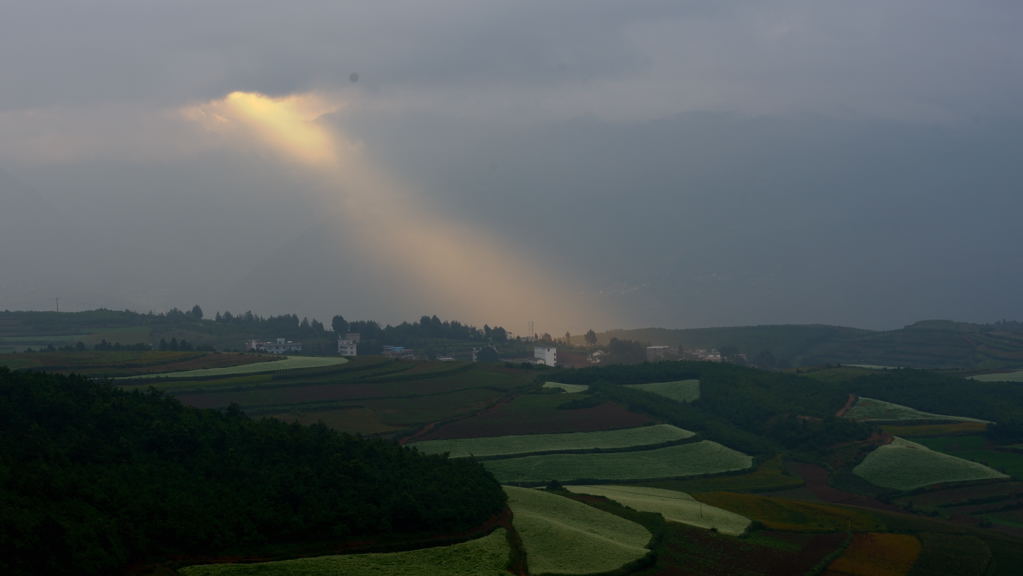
point(691, 459)
point(658, 434)
point(288, 363)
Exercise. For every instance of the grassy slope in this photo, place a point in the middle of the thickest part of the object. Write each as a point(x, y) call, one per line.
point(674, 506)
point(905, 465)
point(566, 388)
point(870, 409)
point(562, 536)
point(531, 443)
point(488, 555)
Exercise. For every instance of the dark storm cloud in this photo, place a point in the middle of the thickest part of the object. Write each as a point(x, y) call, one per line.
point(692, 163)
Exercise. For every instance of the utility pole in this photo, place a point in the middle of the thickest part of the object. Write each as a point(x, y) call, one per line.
point(58, 304)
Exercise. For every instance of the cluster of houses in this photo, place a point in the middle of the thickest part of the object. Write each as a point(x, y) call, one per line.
point(276, 346)
point(348, 345)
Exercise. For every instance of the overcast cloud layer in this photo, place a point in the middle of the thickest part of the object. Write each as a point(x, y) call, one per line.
point(581, 164)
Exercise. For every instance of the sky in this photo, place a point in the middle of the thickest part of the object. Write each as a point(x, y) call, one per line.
point(576, 164)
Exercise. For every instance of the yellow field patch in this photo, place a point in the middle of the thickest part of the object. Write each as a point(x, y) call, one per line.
point(874, 554)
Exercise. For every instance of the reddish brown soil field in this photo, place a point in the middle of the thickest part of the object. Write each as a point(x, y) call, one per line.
point(816, 483)
point(525, 415)
point(285, 395)
point(695, 552)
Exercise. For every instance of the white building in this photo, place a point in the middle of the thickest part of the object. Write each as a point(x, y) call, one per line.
point(348, 345)
point(546, 355)
point(278, 346)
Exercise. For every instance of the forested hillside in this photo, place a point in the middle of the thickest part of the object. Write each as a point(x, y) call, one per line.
point(93, 478)
point(928, 344)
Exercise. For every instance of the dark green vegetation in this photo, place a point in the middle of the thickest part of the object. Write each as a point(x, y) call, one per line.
point(794, 424)
point(93, 478)
point(370, 395)
point(753, 411)
point(115, 363)
point(1000, 402)
point(930, 344)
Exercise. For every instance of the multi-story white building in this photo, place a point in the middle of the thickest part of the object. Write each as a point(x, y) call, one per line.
point(546, 355)
point(348, 345)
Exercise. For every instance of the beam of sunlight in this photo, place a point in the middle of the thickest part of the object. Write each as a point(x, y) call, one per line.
point(451, 267)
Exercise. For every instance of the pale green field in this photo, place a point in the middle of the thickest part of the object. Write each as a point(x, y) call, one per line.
point(693, 459)
point(530, 443)
point(679, 390)
point(905, 465)
point(871, 409)
point(287, 363)
point(566, 388)
point(485, 556)
point(674, 506)
point(562, 536)
point(1016, 376)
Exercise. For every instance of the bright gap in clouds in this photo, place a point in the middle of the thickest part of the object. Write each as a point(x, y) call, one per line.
point(448, 268)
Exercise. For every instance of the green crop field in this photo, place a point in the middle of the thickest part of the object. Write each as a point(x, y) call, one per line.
point(562, 536)
point(872, 410)
point(679, 390)
point(566, 388)
point(975, 447)
point(1016, 376)
point(531, 443)
point(674, 506)
point(693, 459)
point(905, 465)
point(488, 555)
point(287, 363)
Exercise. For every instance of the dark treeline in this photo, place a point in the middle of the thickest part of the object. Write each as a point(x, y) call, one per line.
point(749, 409)
point(427, 329)
point(93, 478)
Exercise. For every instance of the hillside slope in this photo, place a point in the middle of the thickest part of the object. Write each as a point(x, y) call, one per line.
point(926, 344)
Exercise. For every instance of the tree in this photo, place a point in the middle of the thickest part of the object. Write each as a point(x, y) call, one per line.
point(339, 324)
point(568, 337)
point(196, 312)
point(591, 337)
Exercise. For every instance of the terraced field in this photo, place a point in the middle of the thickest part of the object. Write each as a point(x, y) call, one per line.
point(873, 410)
point(286, 363)
point(488, 555)
point(562, 536)
point(692, 459)
point(535, 443)
point(678, 390)
point(566, 388)
point(905, 465)
point(540, 414)
point(674, 506)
